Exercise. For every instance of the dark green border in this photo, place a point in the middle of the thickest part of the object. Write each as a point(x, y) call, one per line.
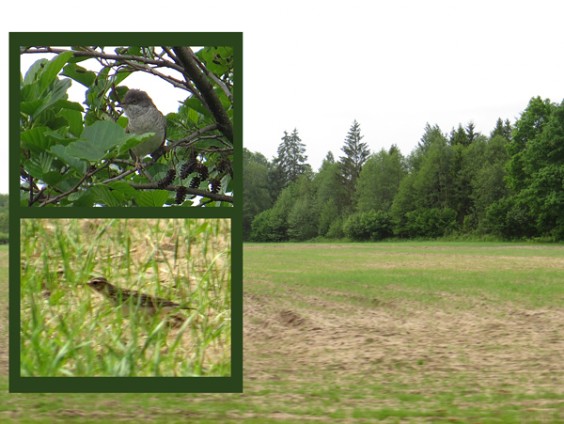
point(231, 384)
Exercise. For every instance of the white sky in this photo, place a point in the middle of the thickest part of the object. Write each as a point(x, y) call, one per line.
point(316, 66)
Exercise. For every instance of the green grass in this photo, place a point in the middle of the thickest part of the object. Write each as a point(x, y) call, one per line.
point(361, 354)
point(68, 330)
point(417, 271)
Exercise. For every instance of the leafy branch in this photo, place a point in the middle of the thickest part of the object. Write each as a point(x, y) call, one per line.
point(65, 146)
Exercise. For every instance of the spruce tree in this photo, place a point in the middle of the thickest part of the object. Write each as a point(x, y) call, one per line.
point(503, 129)
point(471, 132)
point(289, 163)
point(356, 154)
point(458, 136)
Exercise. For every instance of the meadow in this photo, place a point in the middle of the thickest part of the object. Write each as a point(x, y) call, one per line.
point(399, 332)
point(68, 329)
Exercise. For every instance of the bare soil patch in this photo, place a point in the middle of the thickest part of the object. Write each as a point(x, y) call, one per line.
point(491, 349)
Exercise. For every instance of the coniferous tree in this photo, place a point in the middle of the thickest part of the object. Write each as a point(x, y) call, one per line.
point(289, 163)
point(430, 133)
point(502, 128)
point(471, 133)
point(329, 158)
point(458, 137)
point(356, 154)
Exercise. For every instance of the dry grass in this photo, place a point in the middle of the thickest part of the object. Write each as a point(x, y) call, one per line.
point(67, 329)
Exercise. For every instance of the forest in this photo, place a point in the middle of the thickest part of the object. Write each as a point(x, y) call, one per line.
point(508, 185)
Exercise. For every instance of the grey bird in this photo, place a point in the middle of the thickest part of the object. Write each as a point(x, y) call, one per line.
point(144, 117)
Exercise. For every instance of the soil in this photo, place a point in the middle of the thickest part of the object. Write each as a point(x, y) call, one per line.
point(486, 349)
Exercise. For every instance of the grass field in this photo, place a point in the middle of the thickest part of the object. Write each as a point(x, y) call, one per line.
point(401, 332)
point(67, 330)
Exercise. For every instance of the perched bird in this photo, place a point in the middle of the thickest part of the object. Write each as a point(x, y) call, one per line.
point(144, 117)
point(130, 299)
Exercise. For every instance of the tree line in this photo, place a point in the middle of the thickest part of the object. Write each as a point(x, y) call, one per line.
point(4, 221)
point(508, 185)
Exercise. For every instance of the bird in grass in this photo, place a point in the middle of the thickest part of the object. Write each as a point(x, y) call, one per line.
point(131, 299)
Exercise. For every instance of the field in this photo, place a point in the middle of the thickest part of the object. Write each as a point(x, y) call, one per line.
point(183, 259)
point(410, 332)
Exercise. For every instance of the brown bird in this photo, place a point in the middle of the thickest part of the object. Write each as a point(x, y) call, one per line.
point(130, 299)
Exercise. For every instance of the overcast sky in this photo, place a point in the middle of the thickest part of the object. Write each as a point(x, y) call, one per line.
point(392, 66)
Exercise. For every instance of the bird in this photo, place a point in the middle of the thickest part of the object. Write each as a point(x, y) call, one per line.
point(130, 299)
point(144, 117)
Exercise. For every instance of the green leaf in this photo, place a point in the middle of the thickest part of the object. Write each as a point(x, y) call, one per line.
point(96, 141)
point(74, 120)
point(52, 178)
point(32, 74)
point(68, 182)
point(106, 196)
point(218, 60)
point(133, 140)
point(194, 104)
point(128, 191)
point(120, 76)
point(193, 116)
point(104, 133)
point(39, 165)
point(122, 121)
point(84, 199)
point(29, 107)
point(52, 69)
point(95, 93)
point(58, 92)
point(79, 74)
point(155, 198)
point(134, 51)
point(60, 151)
point(35, 139)
point(66, 104)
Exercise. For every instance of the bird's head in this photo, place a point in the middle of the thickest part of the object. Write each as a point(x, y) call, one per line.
point(98, 283)
point(136, 98)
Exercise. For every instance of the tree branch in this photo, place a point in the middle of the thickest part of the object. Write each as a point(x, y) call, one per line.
point(215, 79)
point(193, 136)
point(193, 71)
point(173, 81)
point(75, 188)
point(102, 55)
point(194, 191)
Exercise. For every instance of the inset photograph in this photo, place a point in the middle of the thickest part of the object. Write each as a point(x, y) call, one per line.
point(125, 298)
point(127, 126)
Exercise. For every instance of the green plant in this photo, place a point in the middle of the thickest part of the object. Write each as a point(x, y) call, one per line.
point(68, 330)
point(76, 156)
point(370, 225)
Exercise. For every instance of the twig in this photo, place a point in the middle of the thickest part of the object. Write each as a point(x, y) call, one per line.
point(75, 188)
point(173, 81)
point(118, 57)
point(194, 135)
point(193, 191)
